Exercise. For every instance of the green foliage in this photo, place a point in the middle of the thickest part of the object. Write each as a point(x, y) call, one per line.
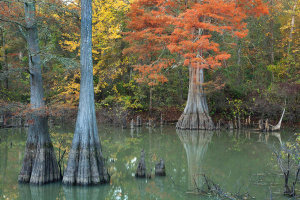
point(237, 107)
point(253, 82)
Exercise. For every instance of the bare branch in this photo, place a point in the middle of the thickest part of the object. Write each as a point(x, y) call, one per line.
point(13, 22)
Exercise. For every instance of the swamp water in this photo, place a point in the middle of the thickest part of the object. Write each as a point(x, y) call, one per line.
point(236, 160)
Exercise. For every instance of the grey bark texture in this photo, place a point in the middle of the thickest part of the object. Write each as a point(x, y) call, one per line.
point(195, 115)
point(141, 169)
point(39, 164)
point(86, 163)
point(160, 168)
point(138, 121)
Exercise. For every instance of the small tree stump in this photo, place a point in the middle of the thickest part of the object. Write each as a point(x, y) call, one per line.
point(141, 169)
point(160, 169)
point(239, 122)
point(249, 121)
point(230, 125)
point(132, 124)
point(235, 123)
point(138, 121)
point(161, 119)
point(124, 123)
point(261, 126)
point(218, 127)
point(267, 126)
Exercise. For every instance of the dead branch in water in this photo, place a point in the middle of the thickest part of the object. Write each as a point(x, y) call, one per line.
point(287, 160)
point(211, 188)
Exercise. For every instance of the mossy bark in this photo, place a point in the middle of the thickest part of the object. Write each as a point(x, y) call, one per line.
point(39, 164)
point(195, 115)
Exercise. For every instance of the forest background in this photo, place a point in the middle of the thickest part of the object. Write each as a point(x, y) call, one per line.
point(259, 79)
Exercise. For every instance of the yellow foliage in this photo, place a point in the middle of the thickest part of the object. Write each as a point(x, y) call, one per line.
point(108, 23)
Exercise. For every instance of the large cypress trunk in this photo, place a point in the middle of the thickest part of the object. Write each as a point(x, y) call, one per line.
point(86, 163)
point(195, 115)
point(39, 164)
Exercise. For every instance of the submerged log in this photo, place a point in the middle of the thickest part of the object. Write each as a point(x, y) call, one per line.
point(141, 169)
point(160, 169)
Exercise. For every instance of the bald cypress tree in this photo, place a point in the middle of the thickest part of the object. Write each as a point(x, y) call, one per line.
point(39, 164)
point(86, 164)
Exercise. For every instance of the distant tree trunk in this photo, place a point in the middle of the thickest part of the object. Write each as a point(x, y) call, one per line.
point(150, 100)
point(86, 162)
point(292, 28)
point(4, 58)
point(195, 115)
point(239, 53)
point(180, 85)
point(39, 164)
point(272, 59)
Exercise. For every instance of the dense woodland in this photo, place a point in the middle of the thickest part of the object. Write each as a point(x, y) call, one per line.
point(259, 72)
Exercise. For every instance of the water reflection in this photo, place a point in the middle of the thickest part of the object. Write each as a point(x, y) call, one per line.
point(230, 158)
point(85, 193)
point(195, 144)
point(3, 163)
point(264, 137)
point(36, 192)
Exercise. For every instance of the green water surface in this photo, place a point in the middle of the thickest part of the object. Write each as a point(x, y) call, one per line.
point(236, 160)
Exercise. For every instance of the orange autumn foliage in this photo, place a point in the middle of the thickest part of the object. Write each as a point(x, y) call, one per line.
point(161, 29)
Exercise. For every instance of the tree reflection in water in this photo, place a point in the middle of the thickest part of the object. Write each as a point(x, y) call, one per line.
point(85, 193)
point(3, 162)
point(37, 192)
point(195, 143)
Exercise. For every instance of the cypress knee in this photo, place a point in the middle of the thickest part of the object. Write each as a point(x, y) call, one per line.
point(160, 169)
